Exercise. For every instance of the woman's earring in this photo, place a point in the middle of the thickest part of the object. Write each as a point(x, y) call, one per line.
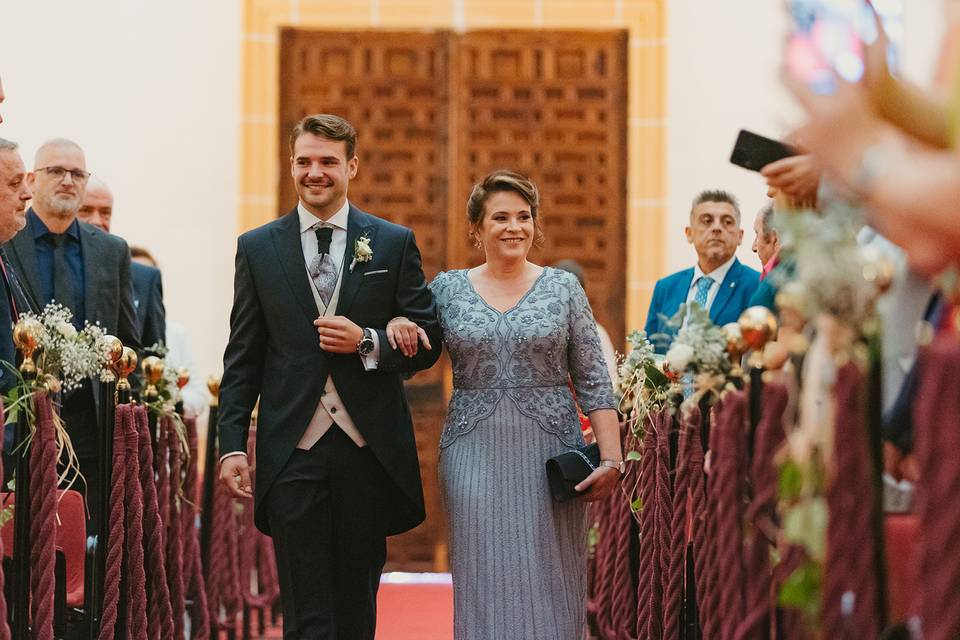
point(477, 243)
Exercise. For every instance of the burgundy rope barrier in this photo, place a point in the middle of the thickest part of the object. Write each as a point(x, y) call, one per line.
point(194, 583)
point(674, 591)
point(792, 622)
point(728, 483)
point(160, 618)
point(161, 470)
point(850, 580)
point(115, 541)
point(664, 516)
point(224, 577)
point(761, 516)
point(707, 592)
point(43, 518)
point(623, 588)
point(648, 614)
point(174, 526)
point(937, 440)
point(4, 626)
point(598, 606)
point(136, 585)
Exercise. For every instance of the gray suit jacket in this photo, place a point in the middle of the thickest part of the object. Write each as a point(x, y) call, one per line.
point(108, 292)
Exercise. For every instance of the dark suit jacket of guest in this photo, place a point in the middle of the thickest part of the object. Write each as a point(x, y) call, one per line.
point(274, 353)
point(8, 351)
point(108, 292)
point(148, 301)
point(670, 292)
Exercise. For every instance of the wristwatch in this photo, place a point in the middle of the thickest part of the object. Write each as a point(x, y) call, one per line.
point(619, 465)
point(366, 344)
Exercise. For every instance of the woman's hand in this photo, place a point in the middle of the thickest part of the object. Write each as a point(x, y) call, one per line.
point(599, 484)
point(405, 335)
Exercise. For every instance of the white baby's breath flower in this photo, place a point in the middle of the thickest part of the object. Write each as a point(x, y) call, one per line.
point(67, 330)
point(679, 357)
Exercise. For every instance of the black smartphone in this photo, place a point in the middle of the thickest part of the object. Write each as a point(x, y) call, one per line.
point(754, 152)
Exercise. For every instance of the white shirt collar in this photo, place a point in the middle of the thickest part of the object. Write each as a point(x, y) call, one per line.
point(337, 221)
point(718, 275)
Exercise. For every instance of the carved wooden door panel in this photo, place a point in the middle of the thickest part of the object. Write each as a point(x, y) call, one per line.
point(435, 112)
point(392, 88)
point(551, 105)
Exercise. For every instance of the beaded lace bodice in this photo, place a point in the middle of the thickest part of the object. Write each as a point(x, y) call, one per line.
point(525, 355)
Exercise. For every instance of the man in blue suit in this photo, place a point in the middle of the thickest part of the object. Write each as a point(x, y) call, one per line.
point(718, 282)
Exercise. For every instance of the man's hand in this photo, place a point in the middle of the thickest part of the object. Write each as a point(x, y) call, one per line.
point(338, 334)
point(405, 335)
point(235, 473)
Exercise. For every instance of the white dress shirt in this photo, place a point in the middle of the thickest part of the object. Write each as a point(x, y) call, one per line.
point(330, 409)
point(717, 275)
point(180, 354)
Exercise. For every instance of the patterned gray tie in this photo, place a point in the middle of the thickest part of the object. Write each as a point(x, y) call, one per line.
point(322, 270)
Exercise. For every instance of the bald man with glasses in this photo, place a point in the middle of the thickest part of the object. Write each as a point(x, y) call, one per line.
point(62, 260)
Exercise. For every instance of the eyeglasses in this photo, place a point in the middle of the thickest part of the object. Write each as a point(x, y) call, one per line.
point(59, 173)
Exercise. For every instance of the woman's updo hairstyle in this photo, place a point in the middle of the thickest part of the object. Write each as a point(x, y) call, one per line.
point(498, 181)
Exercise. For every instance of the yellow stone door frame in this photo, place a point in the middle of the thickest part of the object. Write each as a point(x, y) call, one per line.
point(644, 20)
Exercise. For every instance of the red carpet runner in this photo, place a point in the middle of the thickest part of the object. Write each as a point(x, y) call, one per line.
point(409, 611)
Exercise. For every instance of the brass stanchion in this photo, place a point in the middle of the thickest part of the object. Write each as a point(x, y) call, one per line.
point(152, 372)
point(126, 365)
point(209, 471)
point(25, 337)
point(97, 555)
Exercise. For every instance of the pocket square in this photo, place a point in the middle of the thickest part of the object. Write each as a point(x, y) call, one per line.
point(373, 273)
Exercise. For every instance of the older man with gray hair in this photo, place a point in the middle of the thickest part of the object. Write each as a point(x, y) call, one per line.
point(60, 259)
point(14, 195)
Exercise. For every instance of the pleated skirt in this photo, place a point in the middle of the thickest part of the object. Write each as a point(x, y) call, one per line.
point(518, 558)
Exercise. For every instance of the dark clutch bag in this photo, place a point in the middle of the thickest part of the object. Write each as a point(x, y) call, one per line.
point(567, 470)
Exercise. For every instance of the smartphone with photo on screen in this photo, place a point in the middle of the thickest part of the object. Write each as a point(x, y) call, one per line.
point(828, 39)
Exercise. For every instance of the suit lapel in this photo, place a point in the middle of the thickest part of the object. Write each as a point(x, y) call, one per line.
point(357, 226)
point(23, 254)
point(94, 275)
point(286, 240)
point(727, 288)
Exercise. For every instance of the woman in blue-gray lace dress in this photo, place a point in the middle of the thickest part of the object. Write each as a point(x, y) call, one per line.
point(516, 334)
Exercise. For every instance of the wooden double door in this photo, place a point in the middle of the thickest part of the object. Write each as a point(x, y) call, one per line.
point(435, 112)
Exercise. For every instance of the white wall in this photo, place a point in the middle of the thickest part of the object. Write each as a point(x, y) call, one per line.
point(150, 90)
point(723, 76)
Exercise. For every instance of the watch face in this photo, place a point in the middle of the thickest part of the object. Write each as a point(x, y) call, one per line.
point(366, 346)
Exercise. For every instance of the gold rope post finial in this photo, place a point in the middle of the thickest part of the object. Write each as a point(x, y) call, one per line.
point(126, 364)
point(758, 325)
point(153, 368)
point(26, 337)
point(213, 386)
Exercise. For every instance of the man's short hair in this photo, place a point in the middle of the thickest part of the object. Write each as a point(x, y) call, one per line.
point(327, 126)
point(766, 218)
point(716, 195)
point(140, 252)
point(8, 145)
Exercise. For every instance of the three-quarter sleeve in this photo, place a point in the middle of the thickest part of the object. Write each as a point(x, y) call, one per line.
point(588, 368)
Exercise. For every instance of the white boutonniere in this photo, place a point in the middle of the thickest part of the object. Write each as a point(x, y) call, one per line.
point(361, 251)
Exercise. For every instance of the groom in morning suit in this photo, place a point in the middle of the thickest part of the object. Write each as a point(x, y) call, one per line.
point(336, 461)
point(718, 282)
